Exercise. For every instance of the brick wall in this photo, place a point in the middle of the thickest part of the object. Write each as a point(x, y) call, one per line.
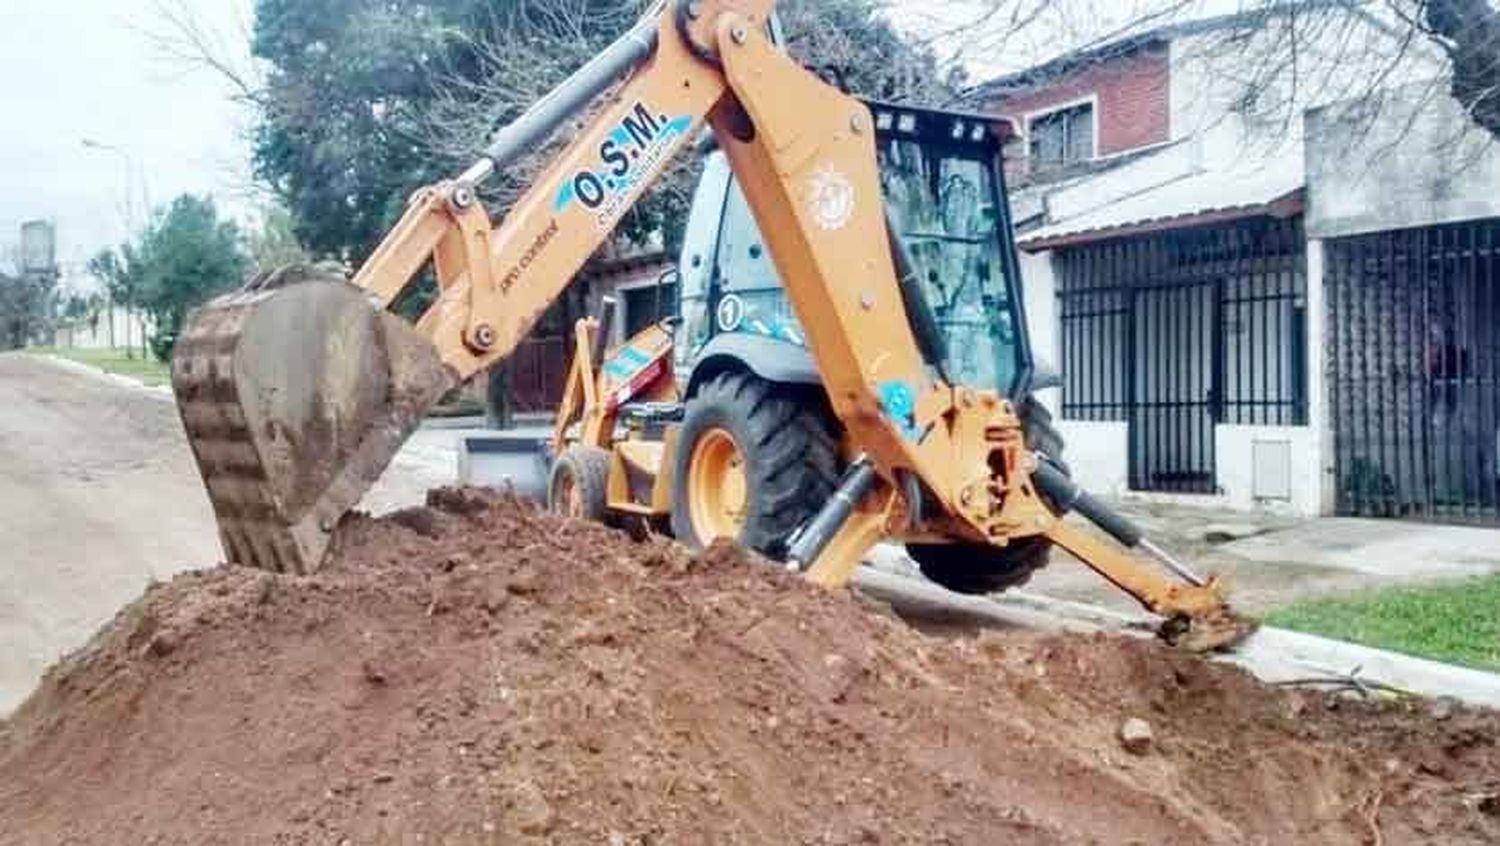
point(1132, 108)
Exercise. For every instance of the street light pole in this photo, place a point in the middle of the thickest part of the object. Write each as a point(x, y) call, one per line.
point(129, 163)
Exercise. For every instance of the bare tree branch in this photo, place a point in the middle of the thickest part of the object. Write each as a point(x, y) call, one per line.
point(181, 35)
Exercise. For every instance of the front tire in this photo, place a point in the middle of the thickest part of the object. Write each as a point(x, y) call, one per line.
point(754, 460)
point(579, 485)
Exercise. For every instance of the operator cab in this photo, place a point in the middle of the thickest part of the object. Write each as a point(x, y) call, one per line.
point(945, 196)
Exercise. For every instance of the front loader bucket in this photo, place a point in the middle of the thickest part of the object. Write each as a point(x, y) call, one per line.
point(518, 462)
point(295, 399)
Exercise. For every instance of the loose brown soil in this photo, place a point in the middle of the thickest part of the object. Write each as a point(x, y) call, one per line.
point(479, 672)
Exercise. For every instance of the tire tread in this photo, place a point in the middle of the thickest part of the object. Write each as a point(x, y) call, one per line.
point(794, 462)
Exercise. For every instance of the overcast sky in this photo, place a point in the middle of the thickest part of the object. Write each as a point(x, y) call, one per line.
point(72, 70)
point(83, 69)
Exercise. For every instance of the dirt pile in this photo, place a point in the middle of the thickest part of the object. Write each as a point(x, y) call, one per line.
point(479, 672)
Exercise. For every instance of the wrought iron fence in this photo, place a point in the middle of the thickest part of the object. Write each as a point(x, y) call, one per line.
point(1414, 338)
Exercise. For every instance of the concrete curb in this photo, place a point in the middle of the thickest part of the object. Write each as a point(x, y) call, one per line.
point(1271, 655)
point(1276, 655)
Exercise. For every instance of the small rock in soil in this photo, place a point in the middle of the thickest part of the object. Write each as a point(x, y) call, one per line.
point(1136, 736)
point(162, 644)
point(461, 501)
point(419, 520)
point(1441, 708)
point(532, 813)
point(373, 672)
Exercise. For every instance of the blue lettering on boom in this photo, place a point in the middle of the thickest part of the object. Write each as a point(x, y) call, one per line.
point(633, 148)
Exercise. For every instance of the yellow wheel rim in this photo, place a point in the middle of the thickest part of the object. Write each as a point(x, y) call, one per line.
point(718, 490)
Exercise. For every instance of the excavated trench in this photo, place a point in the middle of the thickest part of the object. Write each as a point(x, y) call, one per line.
point(479, 672)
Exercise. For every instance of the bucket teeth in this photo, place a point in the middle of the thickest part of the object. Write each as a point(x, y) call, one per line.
point(294, 400)
point(251, 527)
point(1216, 631)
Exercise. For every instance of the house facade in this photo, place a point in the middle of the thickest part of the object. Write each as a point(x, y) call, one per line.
point(1262, 295)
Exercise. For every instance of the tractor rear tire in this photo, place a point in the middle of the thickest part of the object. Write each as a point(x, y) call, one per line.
point(980, 568)
point(579, 485)
point(976, 568)
point(754, 460)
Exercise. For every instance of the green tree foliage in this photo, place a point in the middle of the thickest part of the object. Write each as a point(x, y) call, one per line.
point(120, 273)
point(114, 270)
point(336, 136)
point(366, 100)
point(274, 244)
point(187, 255)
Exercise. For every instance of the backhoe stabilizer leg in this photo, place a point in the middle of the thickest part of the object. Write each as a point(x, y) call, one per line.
point(829, 548)
point(814, 536)
point(835, 565)
point(1198, 617)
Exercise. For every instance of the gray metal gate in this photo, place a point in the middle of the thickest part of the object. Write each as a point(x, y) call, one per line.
point(1414, 338)
point(1179, 331)
point(1175, 386)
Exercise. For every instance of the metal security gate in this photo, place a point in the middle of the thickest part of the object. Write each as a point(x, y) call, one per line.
point(1179, 331)
point(1414, 335)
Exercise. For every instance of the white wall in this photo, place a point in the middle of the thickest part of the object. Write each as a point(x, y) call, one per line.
point(1097, 453)
point(1235, 447)
point(1039, 299)
point(1409, 158)
point(1239, 89)
point(129, 331)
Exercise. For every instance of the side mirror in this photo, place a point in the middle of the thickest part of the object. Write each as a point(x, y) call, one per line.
point(664, 316)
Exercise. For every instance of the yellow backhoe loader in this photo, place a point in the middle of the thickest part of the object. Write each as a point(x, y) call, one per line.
point(901, 420)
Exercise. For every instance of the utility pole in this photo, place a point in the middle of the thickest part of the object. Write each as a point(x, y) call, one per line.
point(131, 167)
